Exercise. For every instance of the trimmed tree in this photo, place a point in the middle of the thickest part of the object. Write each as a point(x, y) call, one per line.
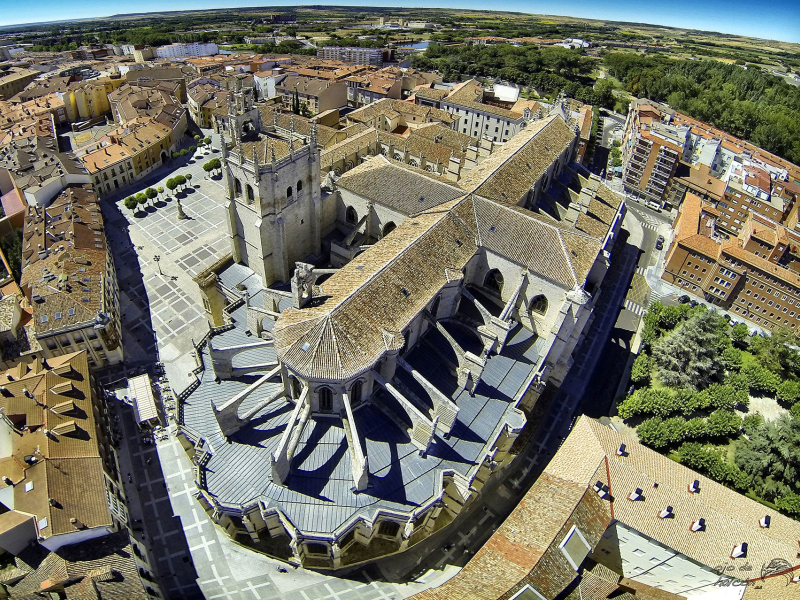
point(151, 194)
point(180, 180)
point(131, 203)
point(141, 198)
point(207, 141)
point(171, 184)
point(160, 190)
point(189, 178)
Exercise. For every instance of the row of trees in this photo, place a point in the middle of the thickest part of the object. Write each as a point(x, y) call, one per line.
point(150, 194)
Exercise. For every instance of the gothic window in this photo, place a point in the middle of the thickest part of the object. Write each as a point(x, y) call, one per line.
point(413, 163)
point(351, 216)
point(289, 192)
point(237, 187)
point(389, 228)
point(494, 281)
point(355, 393)
point(250, 196)
point(325, 399)
point(539, 304)
point(299, 186)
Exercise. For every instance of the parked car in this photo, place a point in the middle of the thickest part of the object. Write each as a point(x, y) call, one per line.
point(660, 242)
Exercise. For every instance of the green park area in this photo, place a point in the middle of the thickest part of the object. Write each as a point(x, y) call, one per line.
point(721, 401)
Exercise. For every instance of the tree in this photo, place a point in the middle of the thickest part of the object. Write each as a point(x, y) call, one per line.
point(197, 137)
point(207, 141)
point(160, 190)
point(208, 167)
point(180, 180)
point(175, 155)
point(131, 203)
point(640, 371)
point(722, 423)
point(776, 352)
point(689, 357)
point(171, 184)
point(189, 177)
point(183, 152)
point(192, 149)
point(760, 381)
point(740, 334)
point(141, 198)
point(150, 193)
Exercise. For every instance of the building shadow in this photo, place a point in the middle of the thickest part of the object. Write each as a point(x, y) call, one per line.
point(139, 341)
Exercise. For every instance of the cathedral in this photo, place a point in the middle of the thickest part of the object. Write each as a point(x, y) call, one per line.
point(377, 340)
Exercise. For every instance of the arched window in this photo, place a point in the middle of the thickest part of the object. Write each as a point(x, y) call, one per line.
point(299, 186)
point(435, 307)
point(297, 387)
point(539, 304)
point(325, 399)
point(237, 187)
point(351, 216)
point(494, 281)
point(250, 196)
point(289, 192)
point(355, 393)
point(389, 228)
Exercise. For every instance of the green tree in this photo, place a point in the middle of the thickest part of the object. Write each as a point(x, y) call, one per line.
point(160, 190)
point(189, 178)
point(740, 333)
point(640, 371)
point(151, 194)
point(141, 198)
point(171, 184)
point(207, 141)
point(180, 180)
point(788, 391)
point(131, 203)
point(760, 381)
point(689, 357)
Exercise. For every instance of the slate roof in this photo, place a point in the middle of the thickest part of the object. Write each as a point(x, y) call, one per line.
point(318, 496)
point(398, 186)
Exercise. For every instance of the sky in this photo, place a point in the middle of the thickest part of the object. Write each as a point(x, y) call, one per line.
point(771, 19)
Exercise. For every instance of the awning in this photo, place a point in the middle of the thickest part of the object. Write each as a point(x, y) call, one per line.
point(140, 390)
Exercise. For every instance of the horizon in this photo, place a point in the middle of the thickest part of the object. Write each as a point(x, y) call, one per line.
point(708, 15)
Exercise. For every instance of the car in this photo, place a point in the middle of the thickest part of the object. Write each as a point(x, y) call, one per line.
point(654, 206)
point(684, 299)
point(660, 242)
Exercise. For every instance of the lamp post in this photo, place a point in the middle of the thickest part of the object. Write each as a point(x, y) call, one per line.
point(157, 258)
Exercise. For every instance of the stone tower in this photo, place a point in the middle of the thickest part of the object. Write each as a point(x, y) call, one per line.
point(274, 206)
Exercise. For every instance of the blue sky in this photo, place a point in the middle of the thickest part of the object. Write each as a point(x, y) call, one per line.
point(773, 19)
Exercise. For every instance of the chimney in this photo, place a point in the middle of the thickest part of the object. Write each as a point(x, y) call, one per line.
point(765, 521)
point(699, 525)
point(636, 495)
point(77, 524)
point(694, 487)
point(739, 551)
point(666, 513)
point(621, 451)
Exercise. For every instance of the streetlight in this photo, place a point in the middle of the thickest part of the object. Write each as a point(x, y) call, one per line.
point(157, 258)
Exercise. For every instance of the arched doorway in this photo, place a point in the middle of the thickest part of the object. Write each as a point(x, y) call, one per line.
point(389, 228)
point(163, 157)
point(351, 216)
point(494, 281)
point(299, 186)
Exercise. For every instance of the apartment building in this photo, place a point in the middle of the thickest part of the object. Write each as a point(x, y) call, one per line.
point(651, 152)
point(193, 49)
point(69, 280)
point(354, 55)
point(369, 88)
point(480, 113)
point(14, 80)
point(204, 99)
point(318, 95)
point(755, 274)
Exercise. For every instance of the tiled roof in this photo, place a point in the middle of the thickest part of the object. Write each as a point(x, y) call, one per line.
point(554, 251)
point(265, 147)
point(470, 95)
point(424, 114)
point(731, 518)
point(508, 174)
point(68, 467)
point(398, 186)
point(64, 260)
point(99, 569)
point(371, 300)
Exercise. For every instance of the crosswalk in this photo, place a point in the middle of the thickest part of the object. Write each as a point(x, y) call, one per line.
point(641, 271)
point(636, 309)
point(649, 226)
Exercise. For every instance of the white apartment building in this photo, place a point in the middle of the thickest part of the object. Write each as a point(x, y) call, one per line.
point(187, 50)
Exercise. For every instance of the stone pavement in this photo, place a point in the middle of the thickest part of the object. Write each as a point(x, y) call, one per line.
point(161, 305)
